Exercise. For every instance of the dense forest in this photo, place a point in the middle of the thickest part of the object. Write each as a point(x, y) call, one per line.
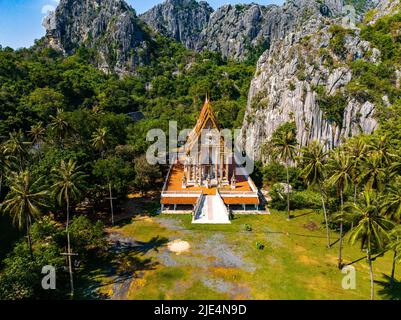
point(70, 138)
point(70, 142)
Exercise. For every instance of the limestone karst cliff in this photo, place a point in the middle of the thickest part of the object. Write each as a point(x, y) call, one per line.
point(236, 31)
point(109, 26)
point(122, 39)
point(298, 75)
point(182, 20)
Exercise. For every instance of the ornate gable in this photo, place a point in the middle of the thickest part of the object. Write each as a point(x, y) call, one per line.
point(207, 120)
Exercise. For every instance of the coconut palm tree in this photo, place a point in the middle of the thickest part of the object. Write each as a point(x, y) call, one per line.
point(67, 187)
point(374, 173)
point(24, 201)
point(383, 149)
point(372, 228)
point(16, 146)
point(395, 246)
point(99, 140)
point(357, 149)
point(340, 168)
point(60, 126)
point(284, 147)
point(392, 210)
point(5, 162)
point(37, 134)
point(392, 201)
point(314, 163)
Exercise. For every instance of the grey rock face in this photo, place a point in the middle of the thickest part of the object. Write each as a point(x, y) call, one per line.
point(122, 40)
point(233, 30)
point(182, 20)
point(386, 7)
point(236, 31)
point(285, 88)
point(109, 26)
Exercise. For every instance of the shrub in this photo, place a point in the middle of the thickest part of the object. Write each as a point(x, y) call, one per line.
point(371, 82)
point(385, 36)
point(260, 246)
point(298, 199)
point(337, 42)
point(86, 236)
point(275, 172)
point(333, 106)
point(248, 227)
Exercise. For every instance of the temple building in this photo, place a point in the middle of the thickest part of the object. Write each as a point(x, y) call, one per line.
point(205, 179)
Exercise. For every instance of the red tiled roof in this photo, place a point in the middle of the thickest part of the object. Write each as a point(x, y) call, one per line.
point(241, 200)
point(178, 200)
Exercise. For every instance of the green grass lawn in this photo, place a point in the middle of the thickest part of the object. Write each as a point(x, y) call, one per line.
point(223, 261)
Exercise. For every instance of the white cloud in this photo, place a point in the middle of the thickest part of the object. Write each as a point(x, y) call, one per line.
point(48, 8)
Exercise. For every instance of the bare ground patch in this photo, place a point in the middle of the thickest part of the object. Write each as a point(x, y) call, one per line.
point(225, 255)
point(171, 224)
point(308, 260)
point(234, 290)
point(178, 246)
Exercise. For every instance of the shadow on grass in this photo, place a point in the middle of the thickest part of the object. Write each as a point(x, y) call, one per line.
point(127, 219)
point(295, 234)
point(388, 293)
point(335, 242)
point(122, 263)
point(124, 221)
point(364, 257)
point(302, 215)
point(127, 267)
point(127, 245)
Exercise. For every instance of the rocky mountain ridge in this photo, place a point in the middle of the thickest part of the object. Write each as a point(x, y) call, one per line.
point(303, 79)
point(111, 27)
point(301, 75)
point(122, 39)
point(233, 30)
point(182, 20)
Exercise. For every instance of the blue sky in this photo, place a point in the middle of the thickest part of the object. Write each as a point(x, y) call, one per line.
point(21, 20)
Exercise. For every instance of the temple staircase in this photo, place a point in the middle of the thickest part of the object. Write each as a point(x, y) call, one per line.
point(210, 209)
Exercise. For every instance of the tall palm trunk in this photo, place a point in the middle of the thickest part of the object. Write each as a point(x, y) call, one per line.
point(372, 284)
point(393, 270)
point(69, 249)
point(340, 257)
point(40, 150)
point(325, 216)
point(28, 235)
point(355, 195)
point(21, 163)
point(288, 192)
point(111, 205)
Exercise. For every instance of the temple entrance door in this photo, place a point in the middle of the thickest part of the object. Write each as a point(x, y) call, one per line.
point(209, 172)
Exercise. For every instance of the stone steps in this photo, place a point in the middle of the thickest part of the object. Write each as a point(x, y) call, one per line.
point(213, 211)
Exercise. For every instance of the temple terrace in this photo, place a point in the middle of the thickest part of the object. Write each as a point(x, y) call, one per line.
point(206, 180)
